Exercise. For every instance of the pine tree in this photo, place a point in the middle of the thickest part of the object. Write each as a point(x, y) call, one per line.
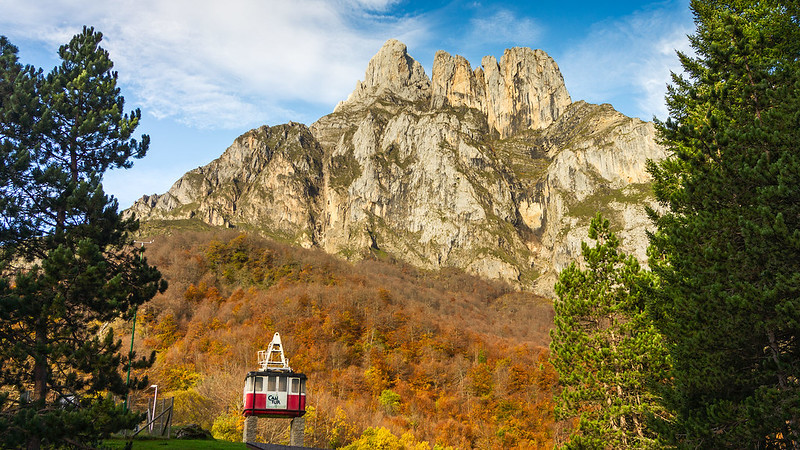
point(606, 351)
point(727, 249)
point(19, 114)
point(69, 268)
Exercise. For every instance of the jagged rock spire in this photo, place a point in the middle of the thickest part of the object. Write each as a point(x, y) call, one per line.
point(391, 70)
point(524, 91)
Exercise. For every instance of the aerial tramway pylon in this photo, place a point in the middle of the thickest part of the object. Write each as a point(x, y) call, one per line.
point(273, 358)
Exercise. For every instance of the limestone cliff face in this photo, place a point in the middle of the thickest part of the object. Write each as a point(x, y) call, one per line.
point(266, 180)
point(596, 162)
point(493, 170)
point(524, 91)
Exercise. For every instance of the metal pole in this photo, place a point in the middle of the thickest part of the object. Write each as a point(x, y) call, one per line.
point(133, 333)
point(130, 354)
point(155, 400)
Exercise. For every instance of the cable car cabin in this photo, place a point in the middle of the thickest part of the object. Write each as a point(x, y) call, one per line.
point(274, 394)
point(274, 390)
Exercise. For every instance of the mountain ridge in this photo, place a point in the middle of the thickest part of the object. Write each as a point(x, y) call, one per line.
point(494, 170)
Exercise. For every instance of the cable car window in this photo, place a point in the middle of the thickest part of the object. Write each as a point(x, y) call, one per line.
point(271, 384)
point(295, 385)
point(302, 386)
point(282, 384)
point(259, 383)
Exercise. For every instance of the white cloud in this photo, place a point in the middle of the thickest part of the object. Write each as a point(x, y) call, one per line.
point(627, 62)
point(504, 27)
point(243, 63)
point(223, 64)
point(374, 5)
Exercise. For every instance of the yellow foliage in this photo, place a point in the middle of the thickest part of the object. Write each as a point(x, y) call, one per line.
point(311, 419)
point(383, 439)
point(481, 380)
point(191, 407)
point(341, 429)
point(180, 377)
point(228, 427)
point(166, 332)
point(390, 401)
point(377, 379)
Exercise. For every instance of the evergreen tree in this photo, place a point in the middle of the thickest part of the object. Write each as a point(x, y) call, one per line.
point(69, 267)
point(19, 114)
point(727, 249)
point(606, 351)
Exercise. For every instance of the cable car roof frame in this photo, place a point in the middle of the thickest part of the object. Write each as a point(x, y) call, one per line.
point(273, 358)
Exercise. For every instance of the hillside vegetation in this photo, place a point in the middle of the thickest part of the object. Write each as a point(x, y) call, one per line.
point(438, 357)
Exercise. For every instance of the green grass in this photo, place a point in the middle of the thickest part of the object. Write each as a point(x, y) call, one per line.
point(178, 444)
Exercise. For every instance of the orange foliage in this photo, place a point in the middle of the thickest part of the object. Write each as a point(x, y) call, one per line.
point(465, 357)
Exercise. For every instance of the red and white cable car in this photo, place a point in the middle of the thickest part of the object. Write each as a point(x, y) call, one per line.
point(274, 390)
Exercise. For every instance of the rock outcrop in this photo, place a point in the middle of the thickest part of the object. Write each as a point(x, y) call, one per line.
point(492, 170)
point(266, 180)
point(390, 72)
point(524, 91)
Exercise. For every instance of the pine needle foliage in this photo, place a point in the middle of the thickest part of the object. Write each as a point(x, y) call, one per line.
point(607, 353)
point(727, 248)
point(67, 267)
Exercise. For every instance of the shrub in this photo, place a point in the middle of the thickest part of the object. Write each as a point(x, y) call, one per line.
point(228, 427)
point(390, 401)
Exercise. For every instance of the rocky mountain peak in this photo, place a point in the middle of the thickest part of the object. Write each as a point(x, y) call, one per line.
point(493, 170)
point(391, 70)
point(525, 91)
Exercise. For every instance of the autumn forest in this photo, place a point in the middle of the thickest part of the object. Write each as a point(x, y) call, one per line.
point(454, 359)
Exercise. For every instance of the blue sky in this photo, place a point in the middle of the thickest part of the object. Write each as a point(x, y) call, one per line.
point(205, 71)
